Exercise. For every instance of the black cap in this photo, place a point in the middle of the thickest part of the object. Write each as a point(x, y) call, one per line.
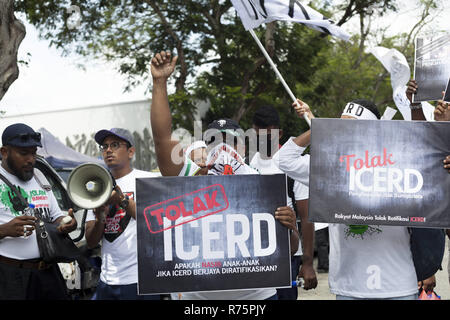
point(21, 135)
point(123, 134)
point(225, 125)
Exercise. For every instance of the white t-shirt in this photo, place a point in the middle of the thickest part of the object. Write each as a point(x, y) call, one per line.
point(45, 202)
point(190, 168)
point(371, 261)
point(119, 243)
point(365, 262)
point(269, 166)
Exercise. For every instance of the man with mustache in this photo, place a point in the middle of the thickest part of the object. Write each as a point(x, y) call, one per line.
point(115, 223)
point(25, 276)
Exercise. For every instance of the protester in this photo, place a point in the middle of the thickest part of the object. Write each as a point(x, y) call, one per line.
point(266, 123)
point(196, 152)
point(24, 275)
point(442, 113)
point(223, 158)
point(417, 113)
point(115, 223)
point(377, 265)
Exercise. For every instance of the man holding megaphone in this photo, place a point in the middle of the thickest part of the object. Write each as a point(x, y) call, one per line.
point(114, 222)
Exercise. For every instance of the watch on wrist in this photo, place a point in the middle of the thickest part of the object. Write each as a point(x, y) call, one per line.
point(124, 202)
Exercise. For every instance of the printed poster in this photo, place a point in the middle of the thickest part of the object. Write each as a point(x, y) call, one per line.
point(431, 67)
point(376, 172)
point(211, 233)
point(447, 92)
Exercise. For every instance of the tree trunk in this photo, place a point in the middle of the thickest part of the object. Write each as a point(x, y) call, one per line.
point(12, 32)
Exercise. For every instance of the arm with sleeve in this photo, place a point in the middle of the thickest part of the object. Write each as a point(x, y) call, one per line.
point(291, 161)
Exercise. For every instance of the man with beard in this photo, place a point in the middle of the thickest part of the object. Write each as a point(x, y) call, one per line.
point(24, 274)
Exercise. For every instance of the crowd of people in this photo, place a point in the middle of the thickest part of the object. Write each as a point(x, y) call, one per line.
point(378, 266)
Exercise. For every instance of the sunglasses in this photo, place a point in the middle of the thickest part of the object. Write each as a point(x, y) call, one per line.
point(25, 137)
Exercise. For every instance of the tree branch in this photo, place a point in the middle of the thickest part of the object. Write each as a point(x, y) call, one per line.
point(181, 80)
point(12, 32)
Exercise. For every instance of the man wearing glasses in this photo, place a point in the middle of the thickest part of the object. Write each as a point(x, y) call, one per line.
point(115, 222)
point(24, 275)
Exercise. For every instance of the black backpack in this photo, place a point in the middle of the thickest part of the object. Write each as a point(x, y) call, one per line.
point(427, 247)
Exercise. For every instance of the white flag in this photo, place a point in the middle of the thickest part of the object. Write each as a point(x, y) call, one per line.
point(395, 63)
point(255, 12)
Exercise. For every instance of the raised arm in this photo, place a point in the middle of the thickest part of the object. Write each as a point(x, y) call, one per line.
point(416, 108)
point(289, 157)
point(162, 66)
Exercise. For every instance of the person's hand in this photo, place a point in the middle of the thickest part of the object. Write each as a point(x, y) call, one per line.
point(427, 284)
point(116, 196)
point(101, 213)
point(442, 110)
point(301, 108)
point(412, 89)
point(70, 226)
point(21, 226)
point(309, 276)
point(447, 163)
point(287, 217)
point(163, 65)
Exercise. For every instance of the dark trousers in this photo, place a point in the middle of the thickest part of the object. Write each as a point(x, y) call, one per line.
point(291, 293)
point(31, 284)
point(120, 292)
point(322, 241)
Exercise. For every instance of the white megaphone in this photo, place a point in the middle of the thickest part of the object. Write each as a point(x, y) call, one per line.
point(90, 185)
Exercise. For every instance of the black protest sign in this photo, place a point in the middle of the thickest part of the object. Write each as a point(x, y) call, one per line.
point(447, 92)
point(376, 172)
point(211, 233)
point(431, 66)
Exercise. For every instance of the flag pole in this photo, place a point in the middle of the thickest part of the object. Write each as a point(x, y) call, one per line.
point(274, 67)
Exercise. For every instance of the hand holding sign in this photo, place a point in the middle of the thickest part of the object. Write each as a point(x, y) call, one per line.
point(442, 111)
point(447, 163)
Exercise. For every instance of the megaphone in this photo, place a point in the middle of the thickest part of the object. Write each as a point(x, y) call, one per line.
point(90, 185)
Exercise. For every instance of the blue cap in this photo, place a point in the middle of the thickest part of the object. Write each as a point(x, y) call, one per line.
point(123, 134)
point(21, 135)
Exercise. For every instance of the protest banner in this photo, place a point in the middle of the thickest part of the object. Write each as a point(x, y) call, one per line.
point(431, 67)
point(376, 172)
point(211, 233)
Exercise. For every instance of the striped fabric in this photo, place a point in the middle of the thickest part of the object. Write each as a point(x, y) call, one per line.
point(255, 12)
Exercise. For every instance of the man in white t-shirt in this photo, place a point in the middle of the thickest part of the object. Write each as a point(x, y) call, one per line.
point(223, 158)
point(366, 262)
point(266, 123)
point(115, 223)
point(24, 275)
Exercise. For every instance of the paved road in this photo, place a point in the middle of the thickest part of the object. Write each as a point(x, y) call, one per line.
point(322, 292)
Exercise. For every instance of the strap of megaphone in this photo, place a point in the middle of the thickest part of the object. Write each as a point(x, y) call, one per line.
point(14, 189)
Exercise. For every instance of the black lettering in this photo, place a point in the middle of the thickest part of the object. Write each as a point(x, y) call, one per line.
point(261, 3)
point(291, 9)
point(359, 111)
point(350, 107)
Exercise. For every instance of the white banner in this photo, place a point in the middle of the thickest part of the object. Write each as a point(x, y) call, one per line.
point(255, 12)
